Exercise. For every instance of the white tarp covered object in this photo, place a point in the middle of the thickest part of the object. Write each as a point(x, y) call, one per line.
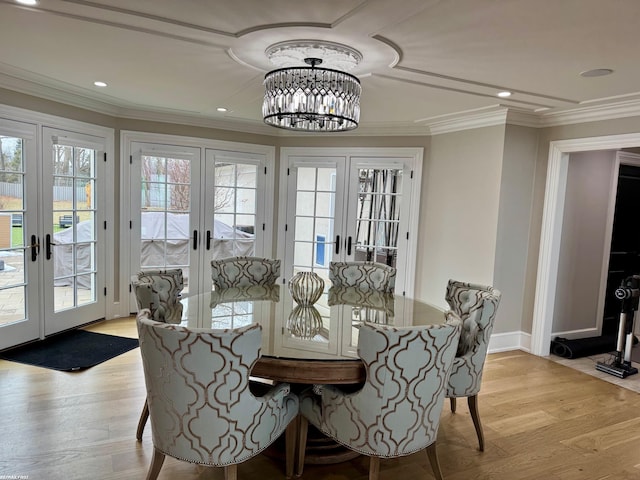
point(227, 242)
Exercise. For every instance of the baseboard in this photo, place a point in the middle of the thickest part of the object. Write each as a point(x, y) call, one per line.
point(575, 334)
point(504, 342)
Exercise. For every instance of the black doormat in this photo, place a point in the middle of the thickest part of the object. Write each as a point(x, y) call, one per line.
point(71, 351)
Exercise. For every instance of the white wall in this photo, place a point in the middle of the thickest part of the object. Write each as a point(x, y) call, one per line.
point(459, 210)
point(514, 221)
point(589, 184)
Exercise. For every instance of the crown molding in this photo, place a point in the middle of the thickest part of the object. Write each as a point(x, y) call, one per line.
point(591, 113)
point(469, 121)
point(56, 94)
point(484, 117)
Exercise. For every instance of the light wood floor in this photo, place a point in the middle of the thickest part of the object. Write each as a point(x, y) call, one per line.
point(543, 421)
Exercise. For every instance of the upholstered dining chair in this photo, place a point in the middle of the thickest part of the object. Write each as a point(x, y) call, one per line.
point(397, 411)
point(167, 285)
point(363, 275)
point(244, 271)
point(159, 292)
point(476, 305)
point(200, 405)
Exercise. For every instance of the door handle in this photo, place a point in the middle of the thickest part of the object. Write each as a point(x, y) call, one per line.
point(337, 244)
point(195, 239)
point(48, 244)
point(349, 241)
point(35, 248)
point(208, 239)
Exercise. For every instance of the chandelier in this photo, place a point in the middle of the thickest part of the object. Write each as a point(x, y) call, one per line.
point(308, 98)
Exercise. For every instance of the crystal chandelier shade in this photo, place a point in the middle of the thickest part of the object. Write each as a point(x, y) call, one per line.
point(311, 99)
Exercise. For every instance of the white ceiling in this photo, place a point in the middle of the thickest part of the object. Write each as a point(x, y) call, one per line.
point(427, 63)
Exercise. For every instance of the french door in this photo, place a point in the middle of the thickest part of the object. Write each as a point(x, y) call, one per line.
point(73, 239)
point(353, 205)
point(51, 231)
point(196, 204)
point(165, 209)
point(20, 316)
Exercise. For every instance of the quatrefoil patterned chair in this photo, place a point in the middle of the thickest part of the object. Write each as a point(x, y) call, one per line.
point(167, 284)
point(200, 405)
point(363, 275)
point(244, 271)
point(363, 299)
point(397, 411)
point(476, 305)
point(159, 292)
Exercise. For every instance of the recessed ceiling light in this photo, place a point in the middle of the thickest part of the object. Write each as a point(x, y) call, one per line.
point(100, 84)
point(504, 94)
point(27, 2)
point(221, 109)
point(596, 72)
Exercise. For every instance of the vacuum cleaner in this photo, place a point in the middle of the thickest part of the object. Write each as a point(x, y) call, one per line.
point(620, 362)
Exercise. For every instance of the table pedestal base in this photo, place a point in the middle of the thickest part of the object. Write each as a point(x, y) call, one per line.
point(321, 450)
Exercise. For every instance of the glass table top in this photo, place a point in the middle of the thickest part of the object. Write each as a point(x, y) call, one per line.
point(326, 329)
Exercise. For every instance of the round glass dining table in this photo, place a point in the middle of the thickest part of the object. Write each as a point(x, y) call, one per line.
point(306, 343)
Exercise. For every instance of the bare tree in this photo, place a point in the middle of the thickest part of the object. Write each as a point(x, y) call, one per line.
point(179, 173)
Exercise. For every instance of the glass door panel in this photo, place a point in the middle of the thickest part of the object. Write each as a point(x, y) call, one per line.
point(19, 316)
point(313, 209)
point(378, 215)
point(74, 230)
point(237, 208)
point(74, 227)
point(163, 178)
point(234, 209)
point(234, 220)
point(12, 234)
point(378, 220)
point(164, 213)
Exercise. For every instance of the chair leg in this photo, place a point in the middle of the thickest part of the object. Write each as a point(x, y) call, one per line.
point(231, 472)
point(303, 428)
point(143, 420)
point(475, 416)
point(374, 468)
point(433, 460)
point(452, 400)
point(156, 464)
point(291, 441)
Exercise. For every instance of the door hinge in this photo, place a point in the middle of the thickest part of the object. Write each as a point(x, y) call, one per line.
point(105, 156)
point(263, 227)
point(286, 227)
point(131, 159)
point(407, 235)
point(411, 176)
point(265, 170)
point(130, 288)
point(288, 171)
point(105, 224)
point(105, 291)
point(130, 224)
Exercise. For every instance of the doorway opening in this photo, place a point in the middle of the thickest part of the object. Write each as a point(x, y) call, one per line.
point(551, 233)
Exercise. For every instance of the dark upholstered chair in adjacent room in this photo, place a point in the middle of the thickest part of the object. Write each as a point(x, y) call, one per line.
point(244, 271)
point(363, 275)
point(476, 305)
point(159, 292)
point(397, 411)
point(200, 406)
